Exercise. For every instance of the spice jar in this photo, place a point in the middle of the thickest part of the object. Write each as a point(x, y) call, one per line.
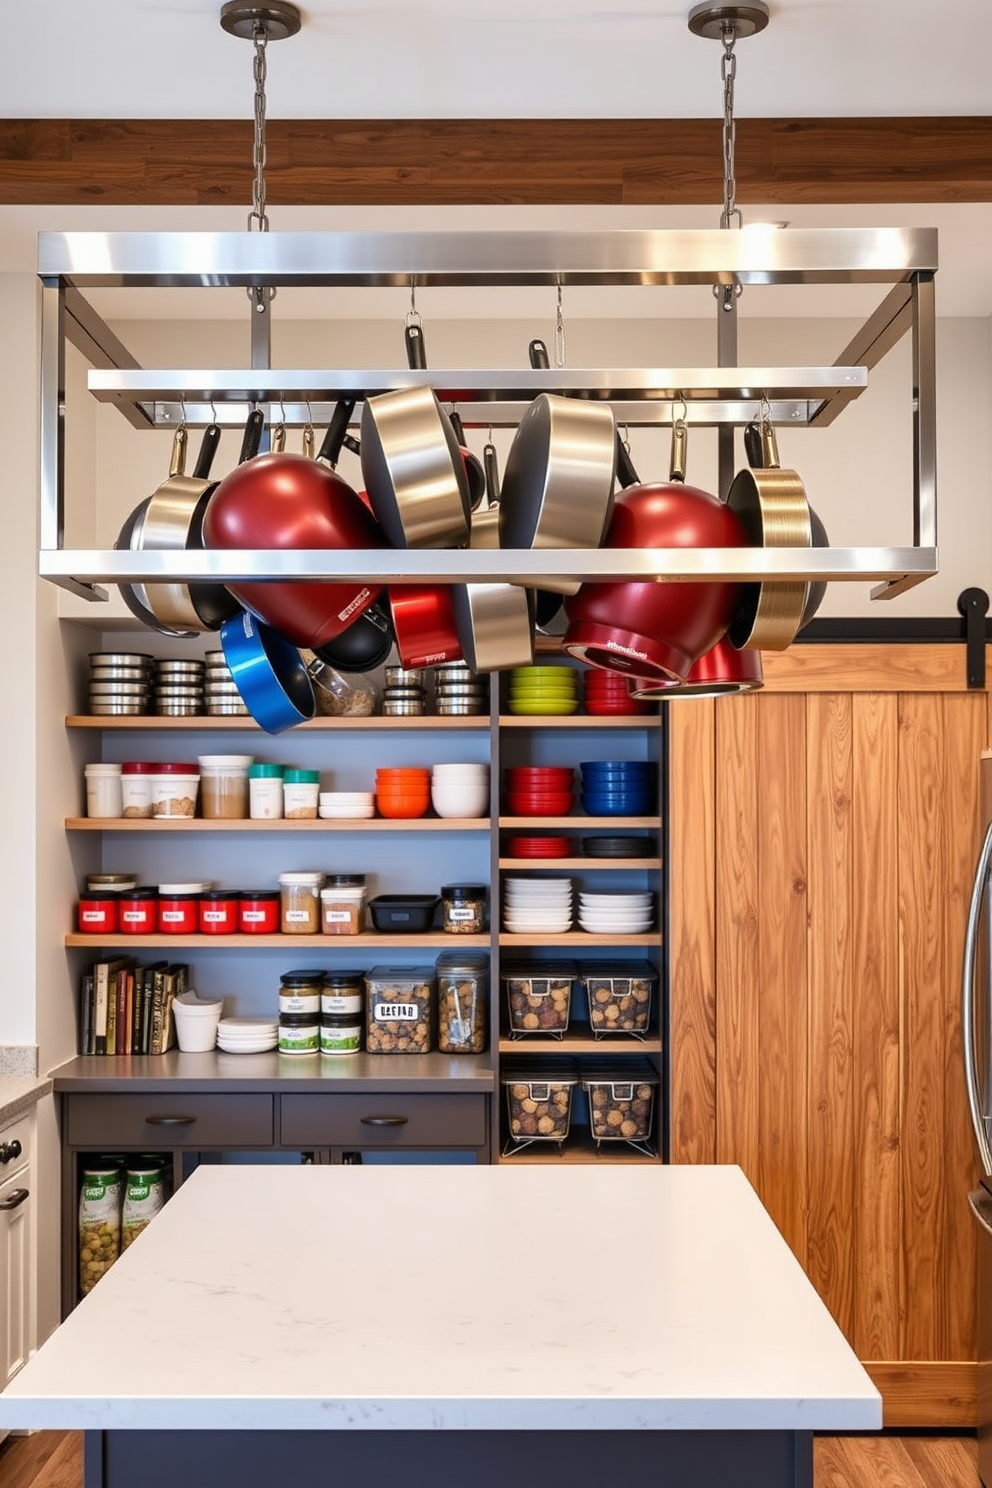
point(463, 908)
point(258, 911)
point(300, 789)
point(178, 910)
point(340, 1033)
point(103, 790)
point(175, 788)
point(218, 912)
point(299, 1033)
point(98, 914)
point(265, 791)
point(300, 912)
point(224, 785)
point(462, 998)
point(300, 991)
point(139, 911)
point(342, 904)
point(136, 788)
point(342, 992)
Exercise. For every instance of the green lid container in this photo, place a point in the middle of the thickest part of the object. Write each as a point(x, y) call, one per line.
point(266, 772)
point(301, 777)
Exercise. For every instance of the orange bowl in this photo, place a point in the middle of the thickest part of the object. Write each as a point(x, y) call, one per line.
point(402, 806)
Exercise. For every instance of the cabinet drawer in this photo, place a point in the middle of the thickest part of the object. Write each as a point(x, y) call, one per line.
point(376, 1120)
point(169, 1120)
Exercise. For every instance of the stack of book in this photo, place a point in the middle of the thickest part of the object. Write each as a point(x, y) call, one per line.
point(126, 1008)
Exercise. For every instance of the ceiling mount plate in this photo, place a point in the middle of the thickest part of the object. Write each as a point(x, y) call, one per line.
point(712, 21)
point(278, 19)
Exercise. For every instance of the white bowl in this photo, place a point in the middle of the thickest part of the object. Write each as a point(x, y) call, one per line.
point(459, 801)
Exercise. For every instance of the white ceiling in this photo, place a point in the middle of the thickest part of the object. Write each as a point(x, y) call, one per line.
point(493, 59)
point(501, 58)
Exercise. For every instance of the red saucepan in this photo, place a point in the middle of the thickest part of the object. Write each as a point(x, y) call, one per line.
point(658, 628)
point(288, 502)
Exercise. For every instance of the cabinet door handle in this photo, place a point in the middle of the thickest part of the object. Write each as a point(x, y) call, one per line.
point(384, 1120)
point(17, 1197)
point(170, 1120)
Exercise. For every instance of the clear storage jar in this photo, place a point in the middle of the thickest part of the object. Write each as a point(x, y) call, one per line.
point(300, 903)
point(462, 1000)
point(463, 908)
point(400, 1007)
point(342, 904)
point(224, 785)
point(100, 1197)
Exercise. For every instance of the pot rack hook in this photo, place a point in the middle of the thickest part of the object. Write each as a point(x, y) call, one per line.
point(413, 315)
point(559, 331)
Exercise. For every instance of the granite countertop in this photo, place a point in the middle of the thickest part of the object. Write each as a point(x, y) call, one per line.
point(432, 1297)
point(18, 1093)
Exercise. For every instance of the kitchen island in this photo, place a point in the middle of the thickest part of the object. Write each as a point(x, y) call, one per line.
point(420, 1324)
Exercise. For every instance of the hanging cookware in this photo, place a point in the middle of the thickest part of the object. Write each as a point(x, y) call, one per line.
point(270, 674)
point(658, 628)
point(365, 644)
point(416, 355)
point(771, 503)
point(413, 470)
point(546, 605)
point(133, 595)
point(719, 672)
point(288, 502)
point(495, 623)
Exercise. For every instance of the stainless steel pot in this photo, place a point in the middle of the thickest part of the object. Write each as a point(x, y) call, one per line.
point(413, 470)
point(771, 503)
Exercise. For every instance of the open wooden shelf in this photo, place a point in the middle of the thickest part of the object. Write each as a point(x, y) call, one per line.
point(580, 1043)
point(583, 938)
point(277, 824)
point(580, 720)
point(578, 1147)
point(590, 864)
point(367, 941)
point(242, 723)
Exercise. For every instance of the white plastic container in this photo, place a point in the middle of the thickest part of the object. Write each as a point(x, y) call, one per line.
point(175, 790)
point(104, 796)
point(196, 1022)
point(300, 790)
point(265, 791)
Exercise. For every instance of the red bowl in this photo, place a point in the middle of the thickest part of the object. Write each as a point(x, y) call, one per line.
point(545, 806)
point(538, 847)
point(628, 705)
point(536, 774)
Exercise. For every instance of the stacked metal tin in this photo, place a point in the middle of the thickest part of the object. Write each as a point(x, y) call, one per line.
point(459, 690)
point(221, 690)
point(404, 695)
point(120, 682)
point(178, 687)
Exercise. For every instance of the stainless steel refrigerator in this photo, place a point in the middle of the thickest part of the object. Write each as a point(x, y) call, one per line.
point(977, 1037)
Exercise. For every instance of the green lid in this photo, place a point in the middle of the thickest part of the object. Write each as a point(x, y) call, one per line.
point(266, 772)
point(301, 777)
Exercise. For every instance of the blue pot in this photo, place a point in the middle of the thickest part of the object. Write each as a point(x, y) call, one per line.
point(269, 673)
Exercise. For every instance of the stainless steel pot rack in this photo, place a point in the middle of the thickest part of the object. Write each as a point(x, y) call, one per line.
point(905, 260)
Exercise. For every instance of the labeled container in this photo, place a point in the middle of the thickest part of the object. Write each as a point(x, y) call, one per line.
point(100, 884)
point(300, 789)
point(224, 785)
point(399, 1009)
point(620, 995)
point(144, 1197)
point(265, 791)
point(462, 1002)
point(299, 1033)
point(218, 912)
point(259, 911)
point(175, 790)
point(343, 992)
point(538, 1099)
point(538, 996)
point(139, 911)
point(463, 908)
point(98, 914)
point(300, 906)
point(342, 904)
point(100, 1196)
point(104, 796)
point(340, 1033)
point(299, 991)
point(178, 911)
point(136, 788)
point(621, 1097)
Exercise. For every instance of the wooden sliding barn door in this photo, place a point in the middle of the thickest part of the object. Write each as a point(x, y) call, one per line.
point(823, 835)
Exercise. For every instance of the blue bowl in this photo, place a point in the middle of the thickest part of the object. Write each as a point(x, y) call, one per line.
point(269, 673)
point(615, 806)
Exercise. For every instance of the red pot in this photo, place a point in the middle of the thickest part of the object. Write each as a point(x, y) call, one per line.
point(655, 629)
point(719, 672)
point(424, 624)
point(290, 502)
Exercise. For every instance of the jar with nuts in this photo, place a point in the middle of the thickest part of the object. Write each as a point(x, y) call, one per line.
point(619, 994)
point(538, 996)
point(100, 1196)
point(538, 1099)
point(621, 1100)
point(462, 995)
point(399, 1010)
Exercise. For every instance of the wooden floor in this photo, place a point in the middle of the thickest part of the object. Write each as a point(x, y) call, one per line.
point(54, 1459)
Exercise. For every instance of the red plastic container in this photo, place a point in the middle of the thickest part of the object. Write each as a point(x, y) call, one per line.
point(98, 916)
point(259, 912)
point(219, 912)
point(139, 912)
point(179, 914)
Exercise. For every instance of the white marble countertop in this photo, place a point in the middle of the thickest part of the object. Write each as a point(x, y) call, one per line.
point(577, 1297)
point(18, 1093)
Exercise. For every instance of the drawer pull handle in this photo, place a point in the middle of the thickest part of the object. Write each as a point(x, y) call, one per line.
point(384, 1120)
point(169, 1120)
point(17, 1197)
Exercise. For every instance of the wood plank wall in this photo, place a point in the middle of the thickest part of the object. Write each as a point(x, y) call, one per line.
point(823, 835)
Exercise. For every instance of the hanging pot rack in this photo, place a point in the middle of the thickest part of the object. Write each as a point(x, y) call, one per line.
point(72, 263)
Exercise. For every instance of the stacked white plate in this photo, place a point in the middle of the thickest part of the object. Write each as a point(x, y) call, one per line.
point(460, 790)
point(537, 905)
point(352, 804)
point(616, 913)
point(247, 1035)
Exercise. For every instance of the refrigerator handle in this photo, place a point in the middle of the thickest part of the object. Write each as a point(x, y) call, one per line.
point(968, 993)
point(981, 1208)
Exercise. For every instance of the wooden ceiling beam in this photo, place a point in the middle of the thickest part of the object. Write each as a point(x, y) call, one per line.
point(667, 162)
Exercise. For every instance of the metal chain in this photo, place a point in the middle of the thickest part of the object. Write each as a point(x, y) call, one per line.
point(728, 73)
point(257, 214)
